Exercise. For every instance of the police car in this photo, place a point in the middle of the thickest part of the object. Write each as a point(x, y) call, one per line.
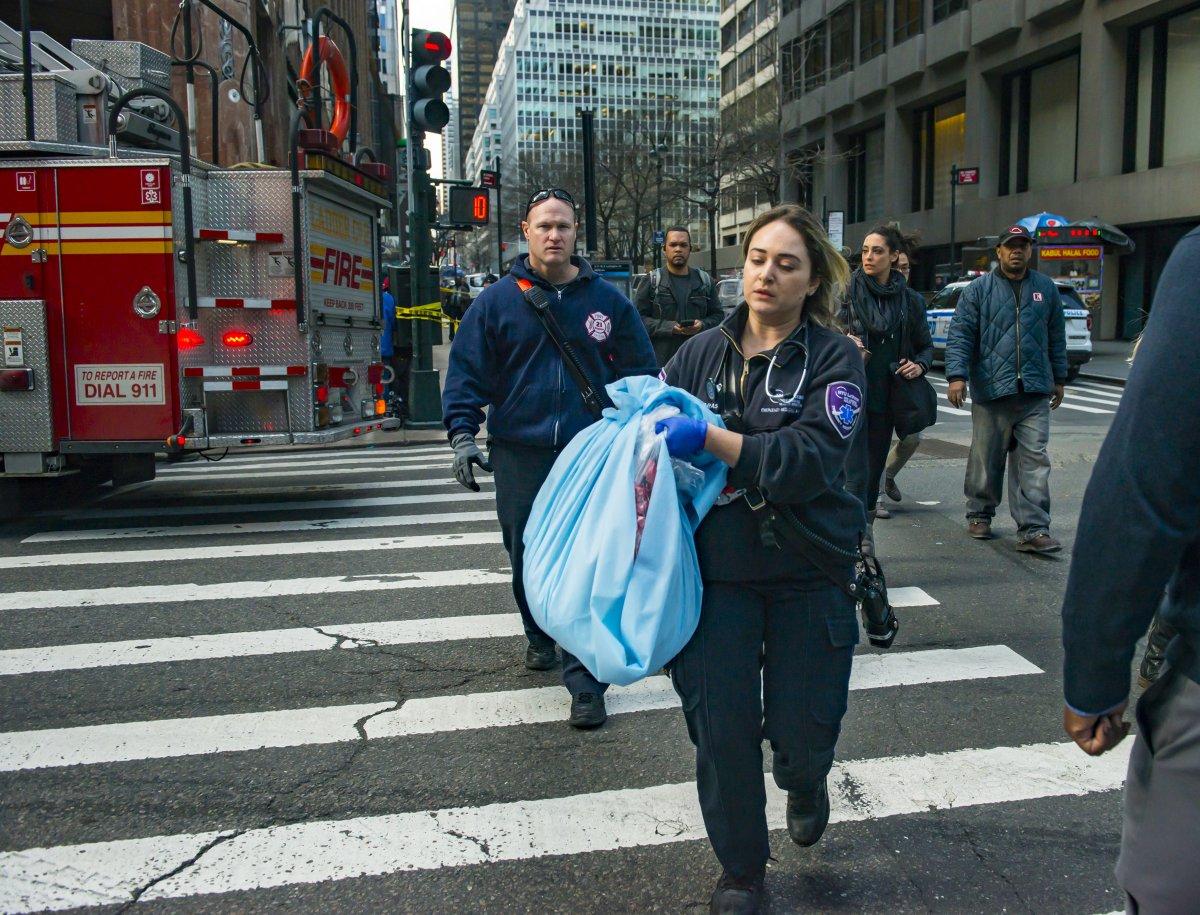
point(729, 293)
point(1079, 323)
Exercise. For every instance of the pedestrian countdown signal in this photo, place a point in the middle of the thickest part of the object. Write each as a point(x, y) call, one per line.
point(470, 206)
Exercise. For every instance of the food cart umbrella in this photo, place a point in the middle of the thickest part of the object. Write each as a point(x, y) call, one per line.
point(1109, 234)
point(1042, 220)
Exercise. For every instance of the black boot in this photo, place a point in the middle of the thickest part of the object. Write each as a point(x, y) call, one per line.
point(540, 657)
point(737, 895)
point(808, 815)
point(587, 711)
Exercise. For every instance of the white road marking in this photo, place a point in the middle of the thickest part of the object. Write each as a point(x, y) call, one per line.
point(250, 590)
point(1100, 400)
point(258, 527)
point(257, 508)
point(44, 659)
point(271, 468)
point(250, 550)
point(379, 453)
point(1110, 390)
point(929, 503)
point(1069, 406)
point(107, 873)
point(910, 597)
point(1082, 409)
point(954, 411)
point(263, 474)
point(165, 738)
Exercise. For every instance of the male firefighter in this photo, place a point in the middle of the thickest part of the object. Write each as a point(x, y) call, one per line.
point(679, 302)
point(504, 359)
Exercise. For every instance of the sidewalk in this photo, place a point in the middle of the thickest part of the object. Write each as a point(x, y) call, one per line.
point(1109, 362)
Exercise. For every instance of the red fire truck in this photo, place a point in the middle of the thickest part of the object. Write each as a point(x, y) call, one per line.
point(154, 303)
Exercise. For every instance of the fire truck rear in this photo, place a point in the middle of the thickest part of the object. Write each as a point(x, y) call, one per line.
point(154, 303)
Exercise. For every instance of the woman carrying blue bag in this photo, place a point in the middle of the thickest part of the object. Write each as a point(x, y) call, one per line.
point(772, 653)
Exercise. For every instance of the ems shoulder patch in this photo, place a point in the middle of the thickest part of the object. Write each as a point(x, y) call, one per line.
point(843, 404)
point(598, 326)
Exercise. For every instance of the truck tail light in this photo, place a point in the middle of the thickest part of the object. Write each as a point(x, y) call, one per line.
point(375, 372)
point(322, 394)
point(380, 407)
point(188, 338)
point(379, 389)
point(236, 339)
point(1089, 322)
point(16, 379)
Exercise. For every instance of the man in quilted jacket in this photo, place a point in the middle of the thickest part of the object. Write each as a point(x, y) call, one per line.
point(1008, 339)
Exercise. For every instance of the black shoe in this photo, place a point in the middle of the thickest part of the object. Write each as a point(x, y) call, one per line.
point(892, 490)
point(540, 657)
point(808, 815)
point(587, 711)
point(737, 895)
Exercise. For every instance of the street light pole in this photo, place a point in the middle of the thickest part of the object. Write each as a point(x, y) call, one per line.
point(713, 192)
point(499, 223)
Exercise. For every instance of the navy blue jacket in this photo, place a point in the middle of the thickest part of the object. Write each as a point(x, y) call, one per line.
point(1139, 530)
point(795, 447)
point(503, 359)
point(1004, 346)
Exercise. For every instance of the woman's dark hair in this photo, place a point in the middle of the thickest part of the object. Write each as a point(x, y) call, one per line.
point(892, 237)
point(828, 265)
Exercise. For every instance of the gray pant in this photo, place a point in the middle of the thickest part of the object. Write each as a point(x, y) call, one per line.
point(901, 451)
point(1161, 833)
point(1016, 429)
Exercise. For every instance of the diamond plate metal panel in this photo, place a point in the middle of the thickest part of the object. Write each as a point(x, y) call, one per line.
point(247, 412)
point(132, 63)
point(25, 416)
point(258, 201)
point(54, 114)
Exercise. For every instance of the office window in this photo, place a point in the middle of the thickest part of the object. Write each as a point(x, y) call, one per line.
point(728, 35)
point(791, 62)
point(728, 78)
point(944, 9)
point(841, 41)
point(765, 8)
point(1039, 122)
point(1163, 93)
point(766, 51)
point(864, 190)
point(745, 65)
point(910, 20)
point(745, 21)
point(814, 57)
point(938, 143)
point(872, 29)
point(807, 168)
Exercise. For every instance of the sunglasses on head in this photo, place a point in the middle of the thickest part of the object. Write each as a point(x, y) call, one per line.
point(555, 192)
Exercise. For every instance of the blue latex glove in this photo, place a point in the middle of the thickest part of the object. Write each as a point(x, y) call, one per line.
point(685, 436)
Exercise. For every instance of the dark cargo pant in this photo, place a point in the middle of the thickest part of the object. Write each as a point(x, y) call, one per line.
point(767, 660)
point(1015, 429)
point(520, 471)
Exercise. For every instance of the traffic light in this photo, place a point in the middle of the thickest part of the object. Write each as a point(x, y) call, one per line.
point(470, 206)
point(429, 80)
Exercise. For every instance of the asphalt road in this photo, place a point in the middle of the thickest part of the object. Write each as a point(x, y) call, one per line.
point(294, 681)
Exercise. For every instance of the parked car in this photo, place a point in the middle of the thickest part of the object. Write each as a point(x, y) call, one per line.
point(729, 293)
point(475, 284)
point(1079, 323)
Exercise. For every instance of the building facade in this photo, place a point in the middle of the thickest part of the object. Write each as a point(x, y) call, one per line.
point(1083, 108)
point(749, 88)
point(477, 31)
point(387, 39)
point(647, 69)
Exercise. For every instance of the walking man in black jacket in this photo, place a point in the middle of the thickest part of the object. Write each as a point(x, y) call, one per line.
point(1008, 336)
point(678, 302)
point(1139, 533)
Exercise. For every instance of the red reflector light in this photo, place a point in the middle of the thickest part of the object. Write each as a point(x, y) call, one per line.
point(251, 441)
point(16, 379)
point(1089, 323)
point(188, 338)
point(236, 338)
point(379, 390)
point(375, 372)
point(322, 394)
point(358, 430)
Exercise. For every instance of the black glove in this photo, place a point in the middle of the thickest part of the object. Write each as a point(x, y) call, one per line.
point(466, 453)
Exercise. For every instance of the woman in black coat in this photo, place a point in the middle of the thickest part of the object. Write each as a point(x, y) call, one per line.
point(886, 320)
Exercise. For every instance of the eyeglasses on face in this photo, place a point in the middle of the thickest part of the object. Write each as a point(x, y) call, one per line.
point(555, 192)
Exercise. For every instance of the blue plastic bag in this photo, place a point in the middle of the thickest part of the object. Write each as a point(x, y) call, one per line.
point(623, 608)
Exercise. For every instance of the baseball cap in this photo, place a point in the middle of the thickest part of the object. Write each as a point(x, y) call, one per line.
point(1015, 231)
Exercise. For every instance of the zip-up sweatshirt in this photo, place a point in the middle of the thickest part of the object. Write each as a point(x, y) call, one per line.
point(503, 359)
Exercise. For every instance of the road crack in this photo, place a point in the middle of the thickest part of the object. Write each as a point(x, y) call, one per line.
point(138, 893)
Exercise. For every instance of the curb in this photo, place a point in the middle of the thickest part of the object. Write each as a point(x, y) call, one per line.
point(1106, 379)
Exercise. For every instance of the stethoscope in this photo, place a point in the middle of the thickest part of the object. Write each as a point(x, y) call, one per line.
point(778, 397)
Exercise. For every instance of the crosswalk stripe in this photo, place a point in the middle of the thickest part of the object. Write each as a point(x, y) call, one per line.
point(165, 738)
point(258, 527)
point(249, 590)
point(1111, 391)
point(249, 550)
point(1100, 400)
point(1069, 406)
point(1079, 408)
point(223, 861)
point(324, 454)
point(954, 411)
point(327, 636)
point(257, 508)
point(349, 462)
point(375, 468)
point(48, 658)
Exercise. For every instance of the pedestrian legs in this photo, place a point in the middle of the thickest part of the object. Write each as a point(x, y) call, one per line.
point(879, 439)
point(991, 427)
point(520, 471)
point(1161, 832)
point(904, 449)
point(718, 678)
point(810, 639)
point(1029, 468)
point(401, 364)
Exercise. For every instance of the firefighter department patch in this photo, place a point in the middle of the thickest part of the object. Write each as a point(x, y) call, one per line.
point(598, 326)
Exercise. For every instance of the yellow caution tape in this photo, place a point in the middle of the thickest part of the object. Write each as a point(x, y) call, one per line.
point(431, 312)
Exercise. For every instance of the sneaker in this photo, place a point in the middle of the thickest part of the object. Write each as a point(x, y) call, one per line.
point(808, 815)
point(979, 529)
point(881, 511)
point(540, 657)
point(1039, 543)
point(892, 490)
point(737, 895)
point(587, 711)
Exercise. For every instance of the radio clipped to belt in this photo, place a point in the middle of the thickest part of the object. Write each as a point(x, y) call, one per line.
point(854, 572)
